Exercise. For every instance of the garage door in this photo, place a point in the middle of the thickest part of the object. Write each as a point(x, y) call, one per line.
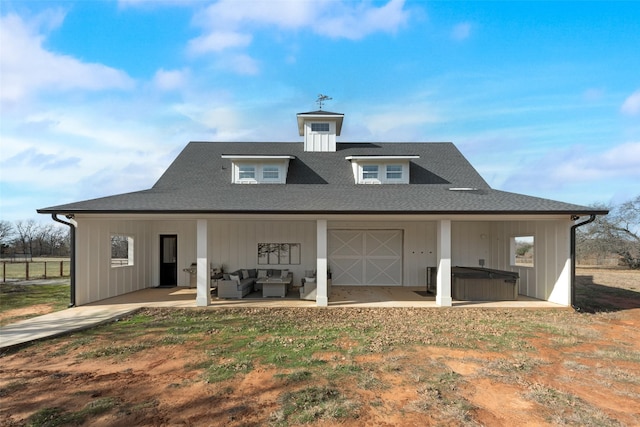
point(365, 257)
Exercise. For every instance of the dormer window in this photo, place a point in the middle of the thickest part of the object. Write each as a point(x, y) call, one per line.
point(257, 169)
point(381, 169)
point(369, 172)
point(246, 173)
point(270, 173)
point(394, 172)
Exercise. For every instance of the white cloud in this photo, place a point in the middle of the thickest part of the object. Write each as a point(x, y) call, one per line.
point(358, 21)
point(224, 123)
point(390, 122)
point(461, 31)
point(27, 68)
point(226, 23)
point(576, 166)
point(88, 153)
point(218, 41)
point(123, 4)
point(631, 105)
point(233, 14)
point(241, 64)
point(167, 80)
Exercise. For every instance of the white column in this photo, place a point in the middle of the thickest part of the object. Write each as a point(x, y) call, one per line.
point(443, 296)
point(203, 293)
point(322, 299)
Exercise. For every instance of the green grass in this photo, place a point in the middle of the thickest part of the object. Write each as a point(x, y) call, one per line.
point(18, 270)
point(312, 404)
point(566, 409)
point(437, 388)
point(13, 296)
point(52, 417)
point(322, 360)
point(295, 377)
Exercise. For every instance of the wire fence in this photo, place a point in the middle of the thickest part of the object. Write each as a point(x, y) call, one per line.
point(31, 270)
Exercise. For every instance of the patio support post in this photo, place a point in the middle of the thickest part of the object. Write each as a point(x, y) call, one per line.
point(322, 299)
point(443, 296)
point(203, 294)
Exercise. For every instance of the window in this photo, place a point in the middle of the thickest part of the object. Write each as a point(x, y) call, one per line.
point(522, 251)
point(121, 250)
point(258, 169)
point(270, 173)
point(319, 127)
point(246, 172)
point(369, 172)
point(381, 169)
point(394, 171)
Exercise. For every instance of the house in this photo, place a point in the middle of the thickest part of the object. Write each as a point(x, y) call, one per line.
point(366, 214)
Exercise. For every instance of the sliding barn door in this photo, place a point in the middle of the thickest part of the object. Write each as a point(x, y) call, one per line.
point(366, 257)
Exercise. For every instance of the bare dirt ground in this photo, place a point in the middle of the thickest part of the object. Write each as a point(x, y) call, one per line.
point(582, 369)
point(37, 309)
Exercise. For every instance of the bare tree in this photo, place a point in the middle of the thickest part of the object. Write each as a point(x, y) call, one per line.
point(27, 232)
point(6, 234)
point(617, 233)
point(58, 240)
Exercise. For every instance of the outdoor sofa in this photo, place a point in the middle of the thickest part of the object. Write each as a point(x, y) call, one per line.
point(242, 282)
point(308, 289)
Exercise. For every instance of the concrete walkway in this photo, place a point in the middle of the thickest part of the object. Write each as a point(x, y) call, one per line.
point(60, 322)
point(90, 315)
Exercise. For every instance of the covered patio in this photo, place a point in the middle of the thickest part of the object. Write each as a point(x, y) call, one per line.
point(341, 296)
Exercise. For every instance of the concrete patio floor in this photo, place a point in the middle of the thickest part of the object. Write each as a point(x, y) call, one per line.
point(341, 296)
point(90, 315)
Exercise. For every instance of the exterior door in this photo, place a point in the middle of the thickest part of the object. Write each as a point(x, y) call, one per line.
point(168, 260)
point(366, 257)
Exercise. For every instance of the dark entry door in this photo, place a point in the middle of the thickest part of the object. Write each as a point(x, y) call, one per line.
point(168, 260)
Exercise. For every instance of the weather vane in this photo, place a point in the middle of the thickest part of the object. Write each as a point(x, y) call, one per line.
point(322, 99)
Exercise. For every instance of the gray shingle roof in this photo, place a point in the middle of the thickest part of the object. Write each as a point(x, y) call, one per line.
point(199, 181)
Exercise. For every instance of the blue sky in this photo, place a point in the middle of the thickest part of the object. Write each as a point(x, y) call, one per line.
point(98, 97)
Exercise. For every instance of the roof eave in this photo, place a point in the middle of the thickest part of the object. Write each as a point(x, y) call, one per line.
point(324, 115)
point(320, 212)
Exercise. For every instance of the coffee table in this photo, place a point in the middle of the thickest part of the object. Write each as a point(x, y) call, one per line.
point(272, 287)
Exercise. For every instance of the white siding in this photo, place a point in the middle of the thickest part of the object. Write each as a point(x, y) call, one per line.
point(234, 243)
point(95, 278)
point(320, 141)
point(469, 243)
point(549, 278)
point(186, 232)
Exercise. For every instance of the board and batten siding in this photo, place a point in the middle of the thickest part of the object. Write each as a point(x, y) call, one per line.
point(470, 243)
point(186, 232)
point(550, 277)
point(234, 243)
point(95, 278)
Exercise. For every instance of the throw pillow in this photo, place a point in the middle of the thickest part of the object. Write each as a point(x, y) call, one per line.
point(284, 274)
point(235, 278)
point(225, 276)
point(262, 273)
point(245, 274)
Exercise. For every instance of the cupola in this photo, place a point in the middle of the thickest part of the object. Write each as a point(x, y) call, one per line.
point(320, 129)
